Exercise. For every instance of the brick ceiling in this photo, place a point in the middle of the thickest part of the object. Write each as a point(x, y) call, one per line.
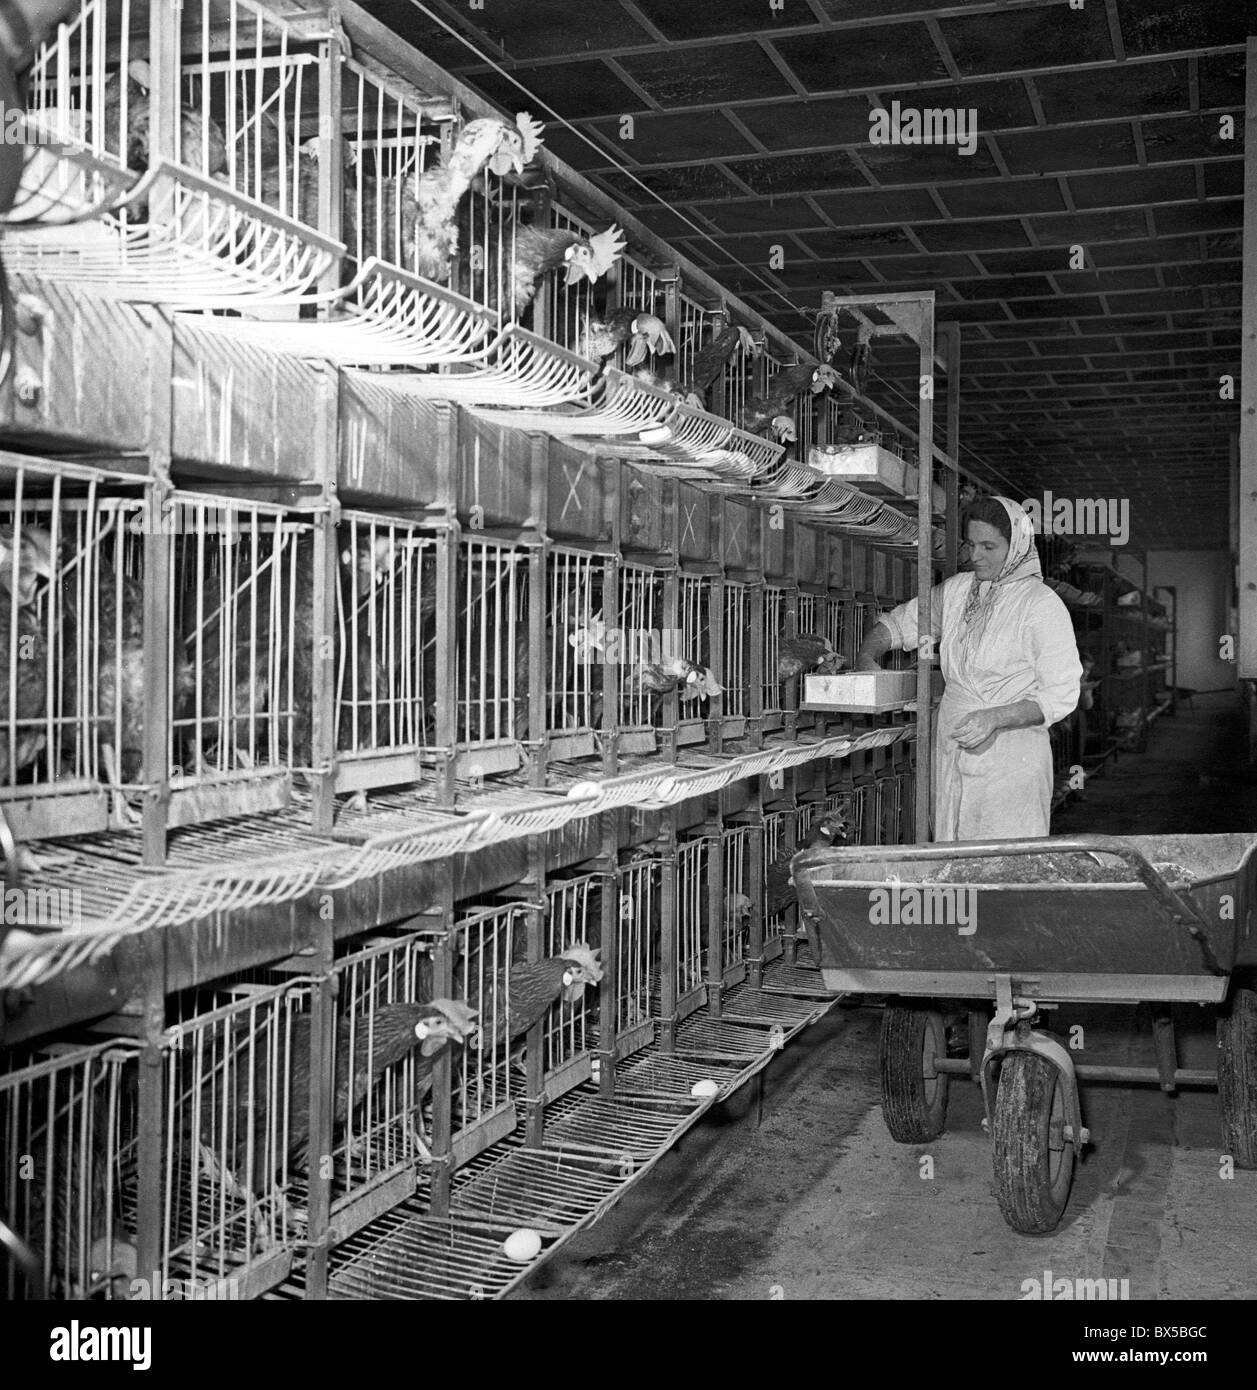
point(1099, 127)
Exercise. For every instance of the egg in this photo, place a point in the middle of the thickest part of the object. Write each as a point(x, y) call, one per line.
point(704, 1090)
point(522, 1246)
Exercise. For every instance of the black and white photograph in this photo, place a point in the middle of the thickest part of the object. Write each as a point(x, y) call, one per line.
point(628, 665)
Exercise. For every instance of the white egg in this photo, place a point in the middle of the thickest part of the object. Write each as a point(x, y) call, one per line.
point(522, 1246)
point(703, 1090)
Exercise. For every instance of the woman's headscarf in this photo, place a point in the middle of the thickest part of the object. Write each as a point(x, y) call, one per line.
point(1022, 562)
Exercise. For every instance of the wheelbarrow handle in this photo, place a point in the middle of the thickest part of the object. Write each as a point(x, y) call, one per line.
point(1182, 912)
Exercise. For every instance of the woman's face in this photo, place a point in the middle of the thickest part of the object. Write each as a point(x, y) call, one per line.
point(990, 550)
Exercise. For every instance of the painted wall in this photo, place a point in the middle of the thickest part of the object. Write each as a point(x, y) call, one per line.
point(1203, 580)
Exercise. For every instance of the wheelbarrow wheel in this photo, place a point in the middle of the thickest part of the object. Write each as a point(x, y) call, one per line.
point(1237, 1077)
point(914, 1094)
point(1034, 1162)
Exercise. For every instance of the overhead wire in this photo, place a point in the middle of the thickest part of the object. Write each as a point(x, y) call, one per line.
point(808, 315)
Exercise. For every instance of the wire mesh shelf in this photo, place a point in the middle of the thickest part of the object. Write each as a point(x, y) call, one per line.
point(63, 183)
point(185, 241)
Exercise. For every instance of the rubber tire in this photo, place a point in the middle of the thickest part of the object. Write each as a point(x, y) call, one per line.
point(1237, 1076)
point(1031, 1196)
point(913, 1106)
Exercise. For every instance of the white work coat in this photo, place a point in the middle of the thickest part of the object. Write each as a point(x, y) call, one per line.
point(1029, 652)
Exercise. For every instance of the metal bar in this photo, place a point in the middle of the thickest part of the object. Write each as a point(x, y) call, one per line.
point(1248, 388)
point(951, 478)
point(321, 1102)
point(926, 655)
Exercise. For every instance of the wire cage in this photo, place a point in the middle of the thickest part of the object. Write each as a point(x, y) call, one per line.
point(689, 966)
point(79, 91)
point(639, 628)
point(492, 643)
point(738, 381)
point(776, 846)
point(242, 586)
point(908, 804)
point(72, 695)
point(891, 808)
point(694, 324)
point(236, 1082)
point(385, 648)
point(804, 425)
point(570, 306)
point(487, 942)
point(737, 909)
point(249, 94)
point(695, 610)
point(737, 648)
point(576, 641)
point(638, 944)
point(640, 289)
point(67, 1126)
point(867, 792)
point(382, 984)
point(574, 918)
point(772, 701)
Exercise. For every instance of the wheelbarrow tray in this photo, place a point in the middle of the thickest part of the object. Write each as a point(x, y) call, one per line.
point(1118, 942)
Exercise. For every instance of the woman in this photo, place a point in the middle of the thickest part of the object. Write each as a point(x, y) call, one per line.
point(1008, 652)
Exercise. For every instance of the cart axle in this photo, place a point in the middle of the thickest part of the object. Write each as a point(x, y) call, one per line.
point(1182, 1076)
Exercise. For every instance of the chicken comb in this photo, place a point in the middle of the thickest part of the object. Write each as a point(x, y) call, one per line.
point(530, 132)
point(607, 248)
point(581, 955)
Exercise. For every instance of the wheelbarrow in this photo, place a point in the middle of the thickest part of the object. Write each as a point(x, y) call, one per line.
point(877, 923)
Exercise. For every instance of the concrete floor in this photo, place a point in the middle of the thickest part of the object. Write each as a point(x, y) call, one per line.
point(799, 1192)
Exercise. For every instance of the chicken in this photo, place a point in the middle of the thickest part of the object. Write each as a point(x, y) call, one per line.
point(536, 252)
point(486, 143)
point(760, 411)
point(709, 361)
point(674, 673)
point(779, 894)
point(23, 646)
point(201, 143)
point(518, 998)
point(259, 1068)
point(704, 687)
point(852, 430)
point(645, 332)
point(807, 652)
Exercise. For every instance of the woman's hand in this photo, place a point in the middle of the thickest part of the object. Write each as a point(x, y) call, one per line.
point(977, 729)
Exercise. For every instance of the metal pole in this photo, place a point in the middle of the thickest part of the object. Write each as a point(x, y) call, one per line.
point(1248, 389)
point(925, 565)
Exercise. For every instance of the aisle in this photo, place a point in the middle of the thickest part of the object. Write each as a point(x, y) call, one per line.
point(816, 1201)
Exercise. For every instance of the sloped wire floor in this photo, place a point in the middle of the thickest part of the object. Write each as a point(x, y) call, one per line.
point(594, 1149)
